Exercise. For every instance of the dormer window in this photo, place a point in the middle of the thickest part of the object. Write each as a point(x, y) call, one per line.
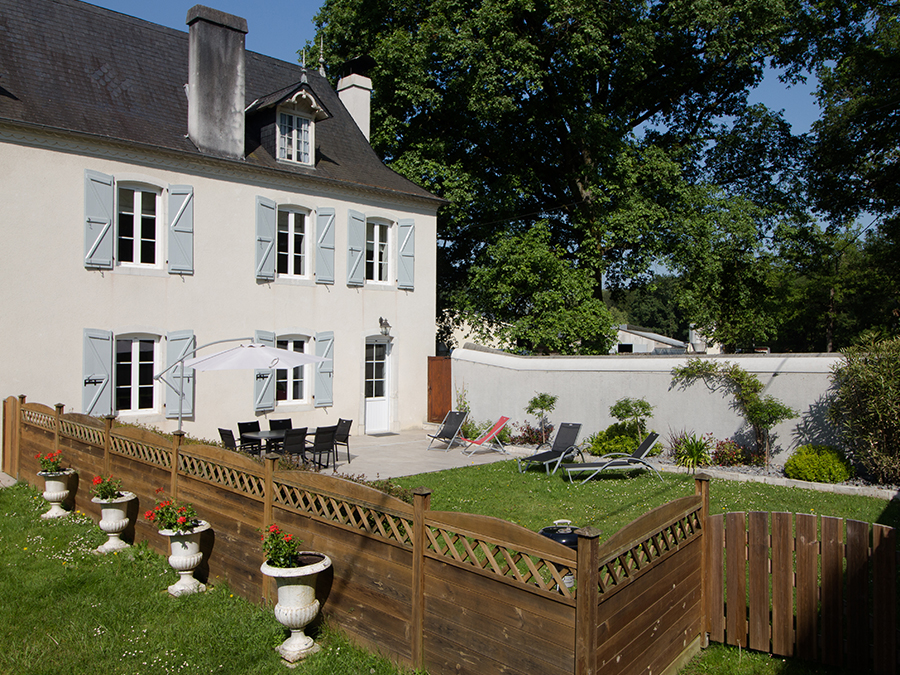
point(295, 138)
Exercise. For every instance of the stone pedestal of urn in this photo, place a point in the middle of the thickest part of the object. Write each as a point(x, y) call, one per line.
point(297, 604)
point(186, 555)
point(56, 489)
point(113, 521)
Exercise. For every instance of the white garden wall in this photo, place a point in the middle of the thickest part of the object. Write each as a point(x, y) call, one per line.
point(498, 384)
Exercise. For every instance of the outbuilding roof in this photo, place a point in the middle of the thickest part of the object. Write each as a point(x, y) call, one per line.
point(70, 66)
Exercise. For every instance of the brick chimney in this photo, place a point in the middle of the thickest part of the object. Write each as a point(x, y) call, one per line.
point(216, 81)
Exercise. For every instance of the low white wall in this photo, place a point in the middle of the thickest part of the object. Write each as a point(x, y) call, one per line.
point(502, 384)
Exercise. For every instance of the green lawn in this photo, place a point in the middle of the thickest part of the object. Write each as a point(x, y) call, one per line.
point(65, 610)
point(534, 499)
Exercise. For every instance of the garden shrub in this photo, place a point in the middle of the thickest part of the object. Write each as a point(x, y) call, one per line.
point(819, 464)
point(865, 405)
point(691, 451)
point(728, 453)
point(602, 444)
point(528, 434)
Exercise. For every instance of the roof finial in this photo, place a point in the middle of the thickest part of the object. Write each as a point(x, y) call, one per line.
point(304, 58)
point(322, 56)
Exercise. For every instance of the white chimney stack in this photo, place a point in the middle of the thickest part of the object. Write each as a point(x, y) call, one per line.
point(355, 92)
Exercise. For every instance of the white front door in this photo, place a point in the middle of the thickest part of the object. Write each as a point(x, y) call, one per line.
point(378, 408)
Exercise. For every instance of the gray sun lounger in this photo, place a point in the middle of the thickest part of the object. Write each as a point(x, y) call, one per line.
point(564, 447)
point(450, 430)
point(616, 460)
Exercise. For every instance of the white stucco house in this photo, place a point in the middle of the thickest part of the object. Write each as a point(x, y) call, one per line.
point(165, 189)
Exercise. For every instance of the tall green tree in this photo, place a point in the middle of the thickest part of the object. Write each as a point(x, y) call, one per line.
point(519, 110)
point(529, 296)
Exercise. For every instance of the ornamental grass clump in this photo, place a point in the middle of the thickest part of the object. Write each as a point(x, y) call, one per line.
point(692, 451)
point(280, 548)
point(51, 462)
point(106, 488)
point(171, 515)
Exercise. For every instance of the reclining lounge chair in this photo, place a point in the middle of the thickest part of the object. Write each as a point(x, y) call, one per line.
point(616, 460)
point(489, 438)
point(564, 447)
point(450, 429)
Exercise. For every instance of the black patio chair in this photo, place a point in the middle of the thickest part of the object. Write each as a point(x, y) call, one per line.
point(249, 444)
point(450, 429)
point(295, 445)
point(322, 444)
point(564, 447)
point(342, 437)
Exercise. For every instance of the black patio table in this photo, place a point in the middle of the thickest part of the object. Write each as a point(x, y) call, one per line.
point(272, 437)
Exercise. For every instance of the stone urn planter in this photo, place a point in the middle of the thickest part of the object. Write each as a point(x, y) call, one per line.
point(185, 556)
point(113, 521)
point(297, 604)
point(56, 489)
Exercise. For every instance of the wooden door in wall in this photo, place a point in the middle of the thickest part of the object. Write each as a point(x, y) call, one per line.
point(439, 394)
point(378, 402)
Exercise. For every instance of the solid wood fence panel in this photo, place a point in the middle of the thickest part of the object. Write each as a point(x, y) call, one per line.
point(832, 596)
point(736, 579)
point(630, 637)
point(857, 554)
point(782, 584)
point(758, 580)
point(807, 548)
point(464, 608)
point(884, 579)
point(716, 551)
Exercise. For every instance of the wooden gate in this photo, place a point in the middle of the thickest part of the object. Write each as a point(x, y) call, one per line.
point(439, 395)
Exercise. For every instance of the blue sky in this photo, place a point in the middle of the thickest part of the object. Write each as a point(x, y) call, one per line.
point(279, 28)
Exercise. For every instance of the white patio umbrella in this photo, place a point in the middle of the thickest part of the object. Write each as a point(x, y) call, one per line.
point(245, 356)
point(253, 355)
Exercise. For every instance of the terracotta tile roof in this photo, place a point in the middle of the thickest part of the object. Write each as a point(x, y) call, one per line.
point(75, 67)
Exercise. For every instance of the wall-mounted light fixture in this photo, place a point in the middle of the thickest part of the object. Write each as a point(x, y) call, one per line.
point(385, 326)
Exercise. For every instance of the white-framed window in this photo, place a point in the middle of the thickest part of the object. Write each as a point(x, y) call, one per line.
point(291, 383)
point(137, 226)
point(295, 138)
point(378, 251)
point(135, 363)
point(292, 243)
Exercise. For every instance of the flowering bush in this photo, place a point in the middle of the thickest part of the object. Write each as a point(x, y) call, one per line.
point(280, 548)
point(170, 515)
point(106, 488)
point(527, 434)
point(728, 453)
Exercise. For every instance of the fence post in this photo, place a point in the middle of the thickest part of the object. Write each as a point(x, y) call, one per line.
point(177, 438)
point(59, 411)
point(421, 504)
point(17, 434)
point(268, 510)
point(107, 443)
point(701, 488)
point(587, 600)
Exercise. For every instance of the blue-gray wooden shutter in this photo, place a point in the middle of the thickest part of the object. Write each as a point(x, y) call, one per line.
point(181, 229)
point(264, 380)
point(356, 249)
point(324, 391)
point(97, 364)
point(266, 211)
point(179, 344)
point(99, 234)
point(325, 246)
point(406, 256)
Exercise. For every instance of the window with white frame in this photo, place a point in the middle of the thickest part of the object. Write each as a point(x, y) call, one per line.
point(377, 251)
point(295, 140)
point(291, 243)
point(135, 364)
point(137, 226)
point(290, 383)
